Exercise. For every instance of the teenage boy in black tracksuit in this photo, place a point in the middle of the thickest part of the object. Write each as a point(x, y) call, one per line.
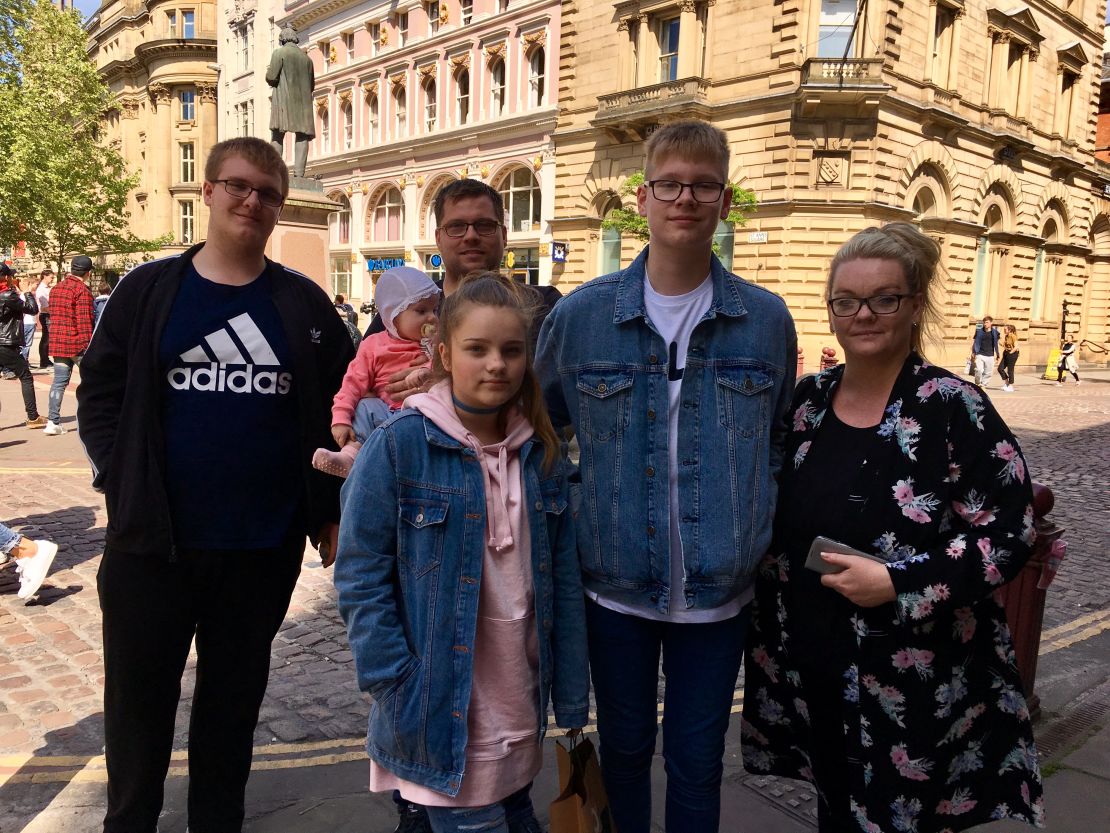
point(205, 390)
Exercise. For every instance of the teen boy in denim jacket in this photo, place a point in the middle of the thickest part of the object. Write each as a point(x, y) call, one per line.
point(675, 376)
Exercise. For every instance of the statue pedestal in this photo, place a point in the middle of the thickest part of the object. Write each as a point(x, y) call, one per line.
point(300, 240)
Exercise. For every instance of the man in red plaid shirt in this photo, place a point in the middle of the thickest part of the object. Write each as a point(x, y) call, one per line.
point(71, 329)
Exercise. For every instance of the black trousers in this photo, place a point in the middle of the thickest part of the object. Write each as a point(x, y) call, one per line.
point(234, 603)
point(44, 340)
point(1006, 368)
point(11, 358)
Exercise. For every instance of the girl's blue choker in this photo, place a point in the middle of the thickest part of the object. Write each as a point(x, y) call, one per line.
point(472, 410)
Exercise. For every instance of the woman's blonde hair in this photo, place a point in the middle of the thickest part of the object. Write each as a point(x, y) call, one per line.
point(492, 289)
point(917, 254)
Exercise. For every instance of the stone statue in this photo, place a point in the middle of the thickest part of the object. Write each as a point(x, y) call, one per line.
point(292, 77)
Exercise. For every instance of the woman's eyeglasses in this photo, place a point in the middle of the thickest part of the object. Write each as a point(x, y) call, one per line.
point(878, 304)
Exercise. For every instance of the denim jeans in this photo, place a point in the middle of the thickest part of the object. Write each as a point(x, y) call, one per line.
point(510, 815)
point(369, 414)
point(9, 539)
point(63, 369)
point(28, 339)
point(701, 663)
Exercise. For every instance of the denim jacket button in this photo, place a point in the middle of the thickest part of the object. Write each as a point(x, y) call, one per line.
point(650, 530)
point(654, 359)
point(420, 518)
point(651, 413)
point(539, 505)
point(543, 566)
point(602, 387)
point(650, 472)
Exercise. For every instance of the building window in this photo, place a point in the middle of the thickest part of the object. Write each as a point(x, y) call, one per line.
point(185, 210)
point(1065, 103)
point(188, 27)
point(429, 106)
point(536, 77)
point(372, 120)
point(610, 250)
point(348, 126)
point(943, 61)
point(325, 132)
point(400, 105)
point(464, 96)
point(341, 221)
point(433, 16)
point(341, 276)
point(526, 265)
point(349, 46)
point(188, 102)
point(375, 37)
point(243, 44)
point(188, 162)
point(466, 11)
point(502, 5)
point(402, 24)
point(388, 217)
point(171, 24)
point(497, 87)
point(521, 194)
point(723, 240)
point(834, 28)
point(668, 49)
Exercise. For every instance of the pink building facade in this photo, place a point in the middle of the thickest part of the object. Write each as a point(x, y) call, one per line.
point(411, 95)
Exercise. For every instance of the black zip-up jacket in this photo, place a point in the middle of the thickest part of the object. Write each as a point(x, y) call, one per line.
point(119, 399)
point(13, 306)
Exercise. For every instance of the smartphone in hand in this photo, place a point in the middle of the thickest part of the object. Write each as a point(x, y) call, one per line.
point(821, 544)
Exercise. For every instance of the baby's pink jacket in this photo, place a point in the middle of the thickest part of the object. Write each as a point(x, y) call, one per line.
point(379, 356)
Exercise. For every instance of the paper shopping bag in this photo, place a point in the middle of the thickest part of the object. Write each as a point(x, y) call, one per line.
point(582, 806)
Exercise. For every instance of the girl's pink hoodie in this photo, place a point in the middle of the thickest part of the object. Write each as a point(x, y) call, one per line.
point(503, 752)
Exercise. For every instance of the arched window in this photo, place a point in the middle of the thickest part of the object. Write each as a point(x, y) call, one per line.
point(521, 194)
point(724, 239)
point(341, 221)
point(388, 217)
point(610, 260)
point(372, 119)
point(497, 88)
point(924, 203)
point(325, 132)
point(348, 126)
point(463, 85)
point(429, 106)
point(536, 77)
point(400, 114)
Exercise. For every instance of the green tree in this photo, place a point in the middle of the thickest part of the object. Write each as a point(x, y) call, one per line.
point(629, 222)
point(62, 190)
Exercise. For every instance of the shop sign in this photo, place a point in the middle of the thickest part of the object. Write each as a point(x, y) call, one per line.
point(558, 251)
point(380, 264)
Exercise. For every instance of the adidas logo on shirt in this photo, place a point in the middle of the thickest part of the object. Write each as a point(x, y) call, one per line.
point(219, 352)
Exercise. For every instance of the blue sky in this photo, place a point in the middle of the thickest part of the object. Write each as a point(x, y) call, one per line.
point(87, 7)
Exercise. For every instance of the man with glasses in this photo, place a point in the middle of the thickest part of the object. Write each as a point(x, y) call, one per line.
point(675, 376)
point(205, 390)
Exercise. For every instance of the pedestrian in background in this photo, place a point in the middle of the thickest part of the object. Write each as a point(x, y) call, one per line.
point(42, 298)
point(890, 682)
point(1010, 355)
point(461, 684)
point(32, 559)
point(30, 315)
point(13, 306)
point(103, 293)
point(984, 351)
point(71, 322)
point(1068, 362)
point(204, 392)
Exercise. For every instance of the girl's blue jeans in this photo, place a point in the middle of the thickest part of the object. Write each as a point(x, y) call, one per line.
point(514, 814)
point(9, 538)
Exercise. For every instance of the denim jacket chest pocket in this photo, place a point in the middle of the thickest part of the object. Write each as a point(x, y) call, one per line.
point(420, 533)
point(604, 402)
point(744, 398)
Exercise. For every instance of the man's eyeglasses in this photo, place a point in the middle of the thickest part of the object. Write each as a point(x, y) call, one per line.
point(457, 228)
point(242, 190)
point(669, 190)
point(878, 304)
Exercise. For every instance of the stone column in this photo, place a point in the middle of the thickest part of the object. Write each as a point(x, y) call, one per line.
point(1000, 43)
point(626, 67)
point(642, 76)
point(953, 63)
point(159, 156)
point(931, 74)
point(1022, 109)
point(688, 40)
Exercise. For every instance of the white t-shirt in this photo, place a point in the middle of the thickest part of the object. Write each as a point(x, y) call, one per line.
point(675, 317)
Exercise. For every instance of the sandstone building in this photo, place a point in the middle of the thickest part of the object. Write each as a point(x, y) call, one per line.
point(158, 58)
point(975, 119)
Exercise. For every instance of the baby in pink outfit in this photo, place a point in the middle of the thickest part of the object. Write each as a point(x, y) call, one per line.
point(407, 301)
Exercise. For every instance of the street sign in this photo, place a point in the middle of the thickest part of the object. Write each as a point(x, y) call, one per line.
point(558, 251)
point(757, 237)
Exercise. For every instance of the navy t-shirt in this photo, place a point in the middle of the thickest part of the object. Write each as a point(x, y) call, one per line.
point(230, 416)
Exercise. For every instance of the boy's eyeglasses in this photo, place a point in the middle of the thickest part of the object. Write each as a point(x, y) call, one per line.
point(242, 190)
point(457, 228)
point(669, 190)
point(878, 304)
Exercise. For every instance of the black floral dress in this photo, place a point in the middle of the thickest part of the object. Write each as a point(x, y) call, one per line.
point(936, 732)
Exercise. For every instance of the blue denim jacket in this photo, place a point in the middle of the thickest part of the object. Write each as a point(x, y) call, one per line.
point(603, 367)
point(408, 572)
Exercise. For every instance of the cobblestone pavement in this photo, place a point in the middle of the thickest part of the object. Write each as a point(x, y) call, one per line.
point(50, 665)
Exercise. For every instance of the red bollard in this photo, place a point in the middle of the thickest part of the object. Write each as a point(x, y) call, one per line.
point(1024, 600)
point(801, 364)
point(828, 358)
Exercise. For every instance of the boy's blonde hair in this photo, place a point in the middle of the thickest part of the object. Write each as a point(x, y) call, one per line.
point(689, 139)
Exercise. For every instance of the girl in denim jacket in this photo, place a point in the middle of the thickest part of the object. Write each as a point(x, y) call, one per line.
point(458, 577)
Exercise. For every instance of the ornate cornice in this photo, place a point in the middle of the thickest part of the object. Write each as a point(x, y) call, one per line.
point(460, 62)
point(397, 82)
point(534, 39)
point(369, 90)
point(495, 52)
point(427, 73)
point(207, 91)
point(344, 98)
point(321, 105)
point(158, 92)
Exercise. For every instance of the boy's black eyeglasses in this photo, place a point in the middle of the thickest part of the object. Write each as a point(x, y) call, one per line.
point(878, 304)
point(669, 190)
point(242, 190)
point(457, 228)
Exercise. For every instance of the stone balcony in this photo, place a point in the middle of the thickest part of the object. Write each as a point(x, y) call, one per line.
point(632, 114)
point(852, 87)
